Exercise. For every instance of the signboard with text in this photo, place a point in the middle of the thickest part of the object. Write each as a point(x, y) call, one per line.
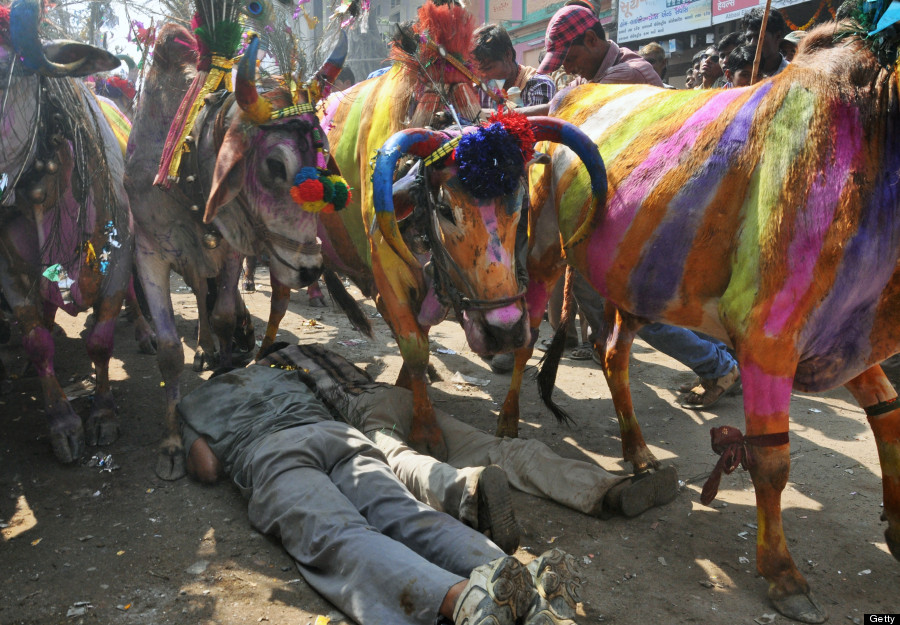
point(727, 10)
point(651, 19)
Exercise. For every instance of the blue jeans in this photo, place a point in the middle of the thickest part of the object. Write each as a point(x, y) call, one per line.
point(704, 355)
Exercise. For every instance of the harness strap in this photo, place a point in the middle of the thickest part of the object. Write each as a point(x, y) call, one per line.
point(734, 451)
point(882, 407)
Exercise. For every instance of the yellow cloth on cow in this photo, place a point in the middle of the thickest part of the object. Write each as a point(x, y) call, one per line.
point(219, 74)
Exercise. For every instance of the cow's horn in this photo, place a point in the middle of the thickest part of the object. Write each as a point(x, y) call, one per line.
point(330, 69)
point(255, 108)
point(415, 141)
point(24, 19)
point(558, 131)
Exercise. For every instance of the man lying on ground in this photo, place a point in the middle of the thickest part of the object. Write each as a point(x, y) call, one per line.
point(358, 536)
point(384, 413)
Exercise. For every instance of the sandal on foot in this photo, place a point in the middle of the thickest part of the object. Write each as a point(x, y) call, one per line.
point(638, 494)
point(712, 390)
point(584, 352)
point(687, 387)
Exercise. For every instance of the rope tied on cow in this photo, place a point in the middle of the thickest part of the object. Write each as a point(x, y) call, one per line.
point(734, 449)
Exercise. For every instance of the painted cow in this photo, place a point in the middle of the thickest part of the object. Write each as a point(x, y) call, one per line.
point(65, 232)
point(766, 216)
point(465, 259)
point(248, 148)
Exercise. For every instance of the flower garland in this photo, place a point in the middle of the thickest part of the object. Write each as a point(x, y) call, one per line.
point(316, 190)
point(813, 19)
point(492, 160)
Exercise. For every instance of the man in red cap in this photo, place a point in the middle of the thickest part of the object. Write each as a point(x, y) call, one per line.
point(576, 41)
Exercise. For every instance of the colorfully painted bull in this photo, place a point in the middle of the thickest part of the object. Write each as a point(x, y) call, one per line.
point(766, 216)
point(65, 231)
point(468, 208)
point(248, 149)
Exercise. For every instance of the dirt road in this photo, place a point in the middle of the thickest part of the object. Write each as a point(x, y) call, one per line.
point(81, 545)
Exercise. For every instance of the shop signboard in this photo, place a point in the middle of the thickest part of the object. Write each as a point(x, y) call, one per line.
point(727, 10)
point(652, 19)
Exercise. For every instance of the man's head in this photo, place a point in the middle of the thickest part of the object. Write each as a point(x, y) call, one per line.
point(493, 51)
point(654, 54)
point(776, 29)
point(690, 80)
point(709, 66)
point(739, 66)
point(726, 44)
point(576, 41)
point(788, 47)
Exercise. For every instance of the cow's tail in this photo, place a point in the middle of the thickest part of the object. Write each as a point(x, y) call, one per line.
point(347, 303)
point(549, 365)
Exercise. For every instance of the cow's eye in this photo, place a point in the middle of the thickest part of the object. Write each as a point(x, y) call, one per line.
point(276, 169)
point(443, 207)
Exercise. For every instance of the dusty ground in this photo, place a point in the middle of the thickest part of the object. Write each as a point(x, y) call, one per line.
point(84, 546)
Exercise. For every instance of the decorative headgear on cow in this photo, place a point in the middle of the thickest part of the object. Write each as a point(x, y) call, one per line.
point(491, 160)
point(315, 189)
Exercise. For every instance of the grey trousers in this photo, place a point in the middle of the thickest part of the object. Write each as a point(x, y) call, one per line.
point(385, 416)
point(357, 535)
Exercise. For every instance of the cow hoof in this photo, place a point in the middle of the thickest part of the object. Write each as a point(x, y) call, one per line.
point(102, 426)
point(318, 302)
point(643, 461)
point(170, 464)
point(892, 536)
point(801, 608)
point(507, 431)
point(203, 360)
point(68, 446)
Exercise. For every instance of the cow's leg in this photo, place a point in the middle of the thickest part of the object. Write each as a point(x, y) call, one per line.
point(102, 426)
point(281, 297)
point(614, 341)
point(767, 396)
point(878, 398)
point(207, 355)
point(154, 274)
point(66, 431)
point(425, 433)
point(316, 297)
point(249, 274)
point(143, 333)
point(224, 313)
point(539, 290)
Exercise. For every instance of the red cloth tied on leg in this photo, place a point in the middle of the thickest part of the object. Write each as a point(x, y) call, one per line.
point(732, 447)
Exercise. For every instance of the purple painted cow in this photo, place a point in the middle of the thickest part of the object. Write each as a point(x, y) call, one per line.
point(248, 149)
point(65, 238)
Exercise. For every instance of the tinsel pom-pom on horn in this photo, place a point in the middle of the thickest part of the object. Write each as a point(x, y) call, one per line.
point(518, 126)
point(490, 162)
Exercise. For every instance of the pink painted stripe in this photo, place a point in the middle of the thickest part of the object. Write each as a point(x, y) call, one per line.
point(813, 222)
point(632, 191)
point(765, 395)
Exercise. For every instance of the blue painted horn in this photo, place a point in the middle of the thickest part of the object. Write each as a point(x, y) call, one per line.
point(571, 136)
point(24, 19)
point(415, 141)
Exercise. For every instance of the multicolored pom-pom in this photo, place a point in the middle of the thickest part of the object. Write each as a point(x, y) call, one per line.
point(318, 191)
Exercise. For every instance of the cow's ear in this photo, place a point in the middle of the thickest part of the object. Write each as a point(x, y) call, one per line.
point(228, 177)
point(84, 59)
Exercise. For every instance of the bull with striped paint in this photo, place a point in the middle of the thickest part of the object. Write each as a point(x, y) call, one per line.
point(468, 262)
point(765, 216)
